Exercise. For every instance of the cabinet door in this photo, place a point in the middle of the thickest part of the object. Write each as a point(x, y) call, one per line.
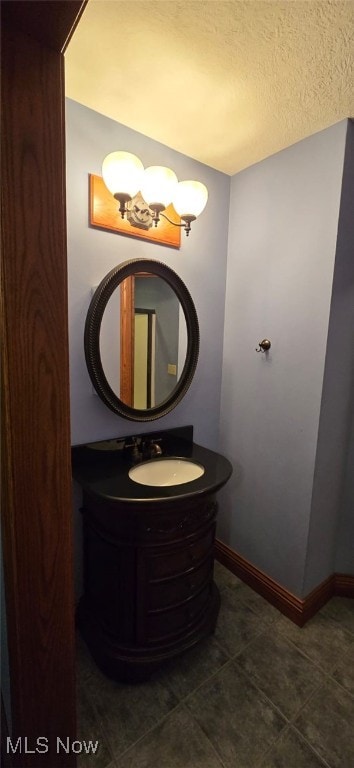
point(172, 560)
point(110, 583)
point(163, 593)
point(166, 624)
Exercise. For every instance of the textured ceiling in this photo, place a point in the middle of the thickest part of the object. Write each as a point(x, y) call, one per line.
point(226, 82)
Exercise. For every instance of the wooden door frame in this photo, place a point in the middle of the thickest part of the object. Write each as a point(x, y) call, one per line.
point(36, 476)
point(126, 363)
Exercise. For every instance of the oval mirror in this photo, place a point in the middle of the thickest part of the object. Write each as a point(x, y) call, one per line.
point(141, 340)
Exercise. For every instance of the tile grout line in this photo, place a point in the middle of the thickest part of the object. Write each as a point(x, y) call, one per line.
point(106, 738)
point(181, 704)
point(289, 727)
point(290, 721)
point(100, 725)
point(341, 686)
point(282, 733)
point(238, 653)
point(306, 656)
point(191, 693)
point(219, 758)
point(150, 730)
point(308, 743)
point(264, 696)
point(327, 614)
point(245, 603)
point(326, 676)
point(100, 721)
point(330, 677)
point(305, 703)
point(265, 627)
point(266, 630)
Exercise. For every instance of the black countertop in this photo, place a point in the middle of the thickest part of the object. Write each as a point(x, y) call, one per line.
point(102, 468)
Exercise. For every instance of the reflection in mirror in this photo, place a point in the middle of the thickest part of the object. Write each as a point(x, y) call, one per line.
point(159, 348)
point(156, 335)
point(144, 359)
point(141, 339)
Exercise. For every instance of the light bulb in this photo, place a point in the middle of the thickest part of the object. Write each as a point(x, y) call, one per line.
point(158, 186)
point(190, 198)
point(122, 173)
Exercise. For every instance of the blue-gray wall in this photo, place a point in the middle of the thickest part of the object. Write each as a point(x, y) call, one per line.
point(282, 245)
point(330, 495)
point(344, 559)
point(200, 262)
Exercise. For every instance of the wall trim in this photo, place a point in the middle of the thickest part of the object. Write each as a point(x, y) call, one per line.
point(344, 585)
point(295, 608)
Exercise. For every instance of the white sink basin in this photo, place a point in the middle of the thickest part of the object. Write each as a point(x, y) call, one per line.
point(162, 472)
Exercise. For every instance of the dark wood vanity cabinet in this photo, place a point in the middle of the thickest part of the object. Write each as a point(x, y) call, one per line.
point(149, 590)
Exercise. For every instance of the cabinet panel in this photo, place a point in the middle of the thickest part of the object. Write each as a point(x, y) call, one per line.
point(172, 525)
point(163, 624)
point(166, 562)
point(109, 583)
point(169, 591)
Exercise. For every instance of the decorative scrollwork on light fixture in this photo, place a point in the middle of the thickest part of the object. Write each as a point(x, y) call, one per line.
point(124, 176)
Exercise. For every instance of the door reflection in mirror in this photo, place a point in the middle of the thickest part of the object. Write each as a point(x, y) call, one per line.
point(144, 358)
point(155, 294)
point(143, 340)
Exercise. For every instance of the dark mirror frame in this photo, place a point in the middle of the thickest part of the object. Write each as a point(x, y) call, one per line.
point(92, 338)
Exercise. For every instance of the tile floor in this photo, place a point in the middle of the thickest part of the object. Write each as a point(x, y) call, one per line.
point(260, 693)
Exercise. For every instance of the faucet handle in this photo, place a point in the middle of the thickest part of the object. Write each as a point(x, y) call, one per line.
point(135, 442)
point(136, 452)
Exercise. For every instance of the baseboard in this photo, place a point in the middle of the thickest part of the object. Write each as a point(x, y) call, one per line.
point(297, 609)
point(343, 585)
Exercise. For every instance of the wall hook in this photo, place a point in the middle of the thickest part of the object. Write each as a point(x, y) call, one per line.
point(264, 346)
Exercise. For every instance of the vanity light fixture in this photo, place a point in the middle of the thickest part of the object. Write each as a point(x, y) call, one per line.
point(124, 176)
